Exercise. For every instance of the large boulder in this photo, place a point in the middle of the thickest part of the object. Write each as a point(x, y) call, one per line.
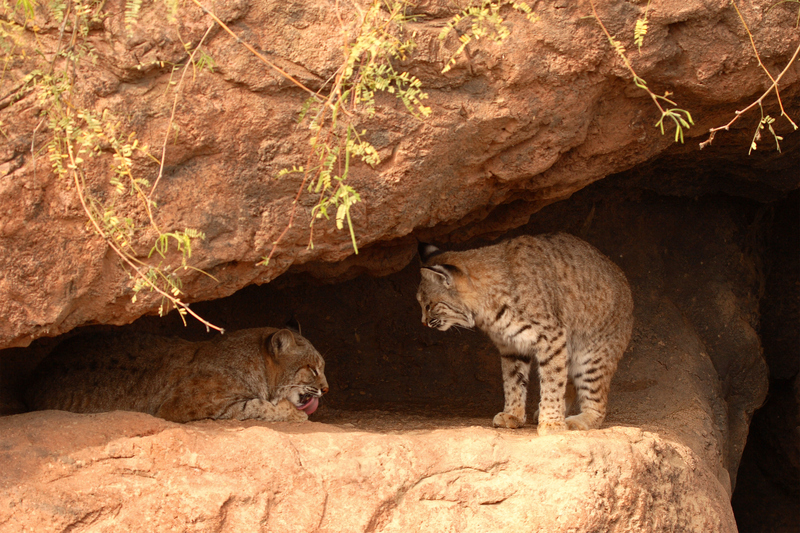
point(141, 473)
point(536, 117)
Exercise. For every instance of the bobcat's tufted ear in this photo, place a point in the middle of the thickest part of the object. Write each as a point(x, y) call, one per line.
point(440, 274)
point(426, 251)
point(294, 325)
point(279, 342)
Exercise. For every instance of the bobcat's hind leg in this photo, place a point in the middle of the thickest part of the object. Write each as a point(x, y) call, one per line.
point(516, 369)
point(592, 377)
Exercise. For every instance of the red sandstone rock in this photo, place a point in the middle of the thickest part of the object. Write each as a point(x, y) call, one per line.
point(537, 118)
point(143, 474)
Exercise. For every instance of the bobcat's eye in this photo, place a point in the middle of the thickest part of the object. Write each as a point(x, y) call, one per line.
point(313, 371)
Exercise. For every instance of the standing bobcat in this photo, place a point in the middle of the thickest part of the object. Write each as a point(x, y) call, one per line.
point(263, 373)
point(551, 297)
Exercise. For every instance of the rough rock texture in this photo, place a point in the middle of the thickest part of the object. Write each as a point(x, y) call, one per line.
point(515, 127)
point(147, 474)
point(537, 118)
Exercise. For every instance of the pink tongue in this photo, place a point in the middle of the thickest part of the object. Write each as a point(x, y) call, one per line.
point(310, 406)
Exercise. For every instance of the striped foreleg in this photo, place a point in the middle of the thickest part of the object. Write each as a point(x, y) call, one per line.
point(516, 369)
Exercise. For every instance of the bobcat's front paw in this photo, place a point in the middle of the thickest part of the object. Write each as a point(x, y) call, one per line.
point(506, 420)
point(290, 413)
point(551, 428)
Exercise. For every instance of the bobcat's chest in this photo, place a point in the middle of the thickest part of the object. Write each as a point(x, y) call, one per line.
point(512, 333)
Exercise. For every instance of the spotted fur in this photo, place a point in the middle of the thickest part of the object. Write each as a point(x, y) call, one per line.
point(262, 373)
point(550, 298)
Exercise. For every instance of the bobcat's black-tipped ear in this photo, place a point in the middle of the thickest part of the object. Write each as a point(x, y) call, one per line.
point(426, 251)
point(294, 325)
point(442, 274)
point(278, 342)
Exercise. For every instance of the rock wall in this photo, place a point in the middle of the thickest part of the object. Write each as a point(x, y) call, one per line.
point(537, 118)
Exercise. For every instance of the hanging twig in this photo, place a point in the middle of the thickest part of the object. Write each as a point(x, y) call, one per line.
point(713, 131)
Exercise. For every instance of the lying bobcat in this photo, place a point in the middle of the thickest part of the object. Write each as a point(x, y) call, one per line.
point(554, 298)
point(263, 373)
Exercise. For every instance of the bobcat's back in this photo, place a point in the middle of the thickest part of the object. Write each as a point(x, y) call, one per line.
point(566, 277)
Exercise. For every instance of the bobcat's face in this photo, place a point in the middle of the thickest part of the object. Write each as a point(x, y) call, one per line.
point(308, 387)
point(302, 380)
point(438, 296)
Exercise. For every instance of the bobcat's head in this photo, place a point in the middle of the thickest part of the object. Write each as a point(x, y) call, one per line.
point(438, 294)
point(300, 369)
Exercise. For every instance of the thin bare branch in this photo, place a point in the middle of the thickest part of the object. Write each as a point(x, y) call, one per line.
point(125, 257)
point(761, 64)
point(713, 131)
point(169, 124)
point(255, 52)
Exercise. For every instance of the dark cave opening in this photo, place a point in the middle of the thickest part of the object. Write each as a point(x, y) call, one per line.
point(767, 496)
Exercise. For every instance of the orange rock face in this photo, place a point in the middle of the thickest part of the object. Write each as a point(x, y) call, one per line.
point(142, 473)
point(534, 118)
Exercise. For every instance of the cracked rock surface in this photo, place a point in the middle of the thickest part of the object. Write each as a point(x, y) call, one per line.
point(535, 118)
point(142, 473)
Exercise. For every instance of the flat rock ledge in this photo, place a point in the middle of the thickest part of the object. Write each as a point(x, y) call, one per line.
point(365, 472)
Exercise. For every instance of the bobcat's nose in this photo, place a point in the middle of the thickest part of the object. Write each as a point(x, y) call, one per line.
point(324, 390)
